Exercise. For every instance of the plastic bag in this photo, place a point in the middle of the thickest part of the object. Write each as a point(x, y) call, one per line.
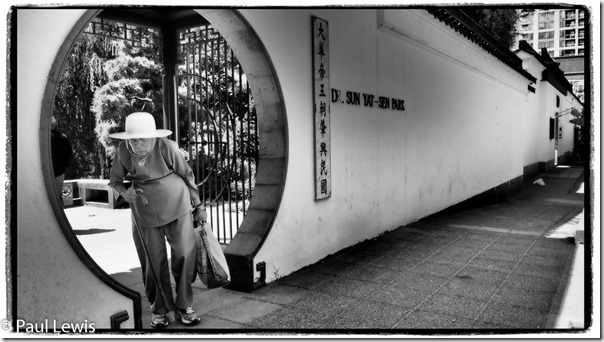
point(539, 182)
point(211, 263)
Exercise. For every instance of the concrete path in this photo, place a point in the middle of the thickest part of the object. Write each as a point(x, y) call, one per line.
point(513, 267)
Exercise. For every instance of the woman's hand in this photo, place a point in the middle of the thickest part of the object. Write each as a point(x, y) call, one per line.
point(200, 215)
point(130, 195)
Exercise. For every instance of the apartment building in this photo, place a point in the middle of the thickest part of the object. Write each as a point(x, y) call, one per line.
point(562, 33)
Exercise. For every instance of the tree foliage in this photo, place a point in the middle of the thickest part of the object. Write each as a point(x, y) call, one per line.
point(501, 23)
point(108, 78)
point(81, 76)
point(133, 85)
point(104, 79)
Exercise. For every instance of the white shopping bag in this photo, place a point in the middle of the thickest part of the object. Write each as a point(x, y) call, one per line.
point(211, 264)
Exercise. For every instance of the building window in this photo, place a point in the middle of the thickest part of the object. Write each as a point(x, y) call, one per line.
point(569, 14)
point(546, 16)
point(546, 44)
point(568, 34)
point(546, 25)
point(557, 101)
point(546, 35)
point(552, 128)
point(546, 20)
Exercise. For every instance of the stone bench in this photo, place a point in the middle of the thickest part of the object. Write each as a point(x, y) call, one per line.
point(97, 193)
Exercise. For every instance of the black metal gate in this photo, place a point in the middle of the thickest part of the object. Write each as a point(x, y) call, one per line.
point(218, 126)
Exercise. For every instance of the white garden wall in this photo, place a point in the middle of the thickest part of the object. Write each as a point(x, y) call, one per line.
point(456, 138)
point(539, 148)
point(535, 125)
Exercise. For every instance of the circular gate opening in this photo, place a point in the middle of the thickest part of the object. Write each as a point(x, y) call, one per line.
point(267, 155)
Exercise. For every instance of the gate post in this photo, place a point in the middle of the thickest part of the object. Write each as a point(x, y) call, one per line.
point(169, 55)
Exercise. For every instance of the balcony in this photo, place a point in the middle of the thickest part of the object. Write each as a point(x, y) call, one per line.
point(567, 53)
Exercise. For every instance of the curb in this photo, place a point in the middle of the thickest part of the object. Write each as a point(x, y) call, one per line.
point(567, 308)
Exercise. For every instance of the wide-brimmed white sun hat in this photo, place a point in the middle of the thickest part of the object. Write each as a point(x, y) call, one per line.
point(141, 125)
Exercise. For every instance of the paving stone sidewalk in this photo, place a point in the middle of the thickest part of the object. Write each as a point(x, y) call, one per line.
point(498, 268)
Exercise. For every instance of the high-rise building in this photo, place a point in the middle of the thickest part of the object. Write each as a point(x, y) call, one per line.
point(562, 33)
point(574, 71)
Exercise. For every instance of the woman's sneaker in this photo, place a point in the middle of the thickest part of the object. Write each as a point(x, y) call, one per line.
point(159, 321)
point(188, 316)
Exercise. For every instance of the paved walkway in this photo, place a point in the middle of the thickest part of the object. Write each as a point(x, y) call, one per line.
point(510, 267)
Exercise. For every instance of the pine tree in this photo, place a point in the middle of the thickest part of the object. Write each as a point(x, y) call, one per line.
point(499, 22)
point(104, 79)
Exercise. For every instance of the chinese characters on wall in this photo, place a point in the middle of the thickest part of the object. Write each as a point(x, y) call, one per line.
point(321, 93)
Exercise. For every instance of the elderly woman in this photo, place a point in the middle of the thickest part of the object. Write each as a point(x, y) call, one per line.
point(164, 202)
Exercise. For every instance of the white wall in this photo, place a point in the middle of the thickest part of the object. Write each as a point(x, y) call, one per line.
point(548, 109)
point(566, 143)
point(535, 125)
point(458, 122)
point(52, 283)
point(456, 138)
point(539, 147)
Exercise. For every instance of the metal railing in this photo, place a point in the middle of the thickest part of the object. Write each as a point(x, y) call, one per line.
point(220, 136)
point(136, 35)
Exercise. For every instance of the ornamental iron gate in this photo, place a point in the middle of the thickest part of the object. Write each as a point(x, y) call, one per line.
point(218, 126)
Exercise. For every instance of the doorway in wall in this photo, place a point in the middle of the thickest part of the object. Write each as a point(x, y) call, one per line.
point(118, 70)
point(216, 124)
